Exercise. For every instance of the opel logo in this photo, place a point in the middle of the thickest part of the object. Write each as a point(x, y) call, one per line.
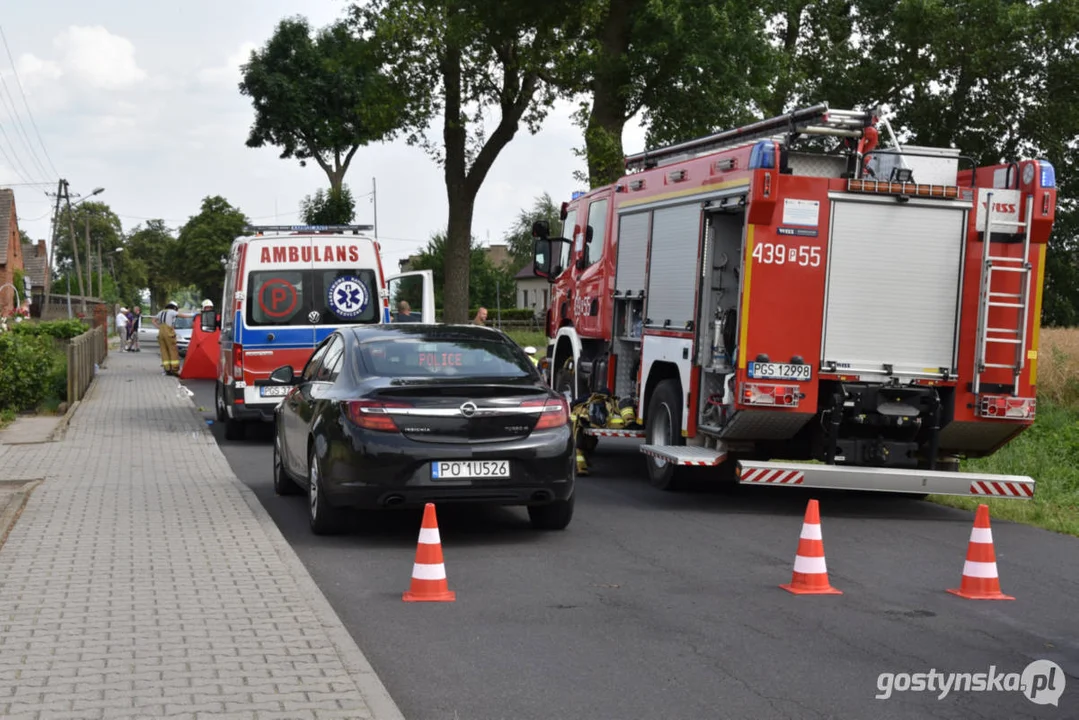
point(468, 409)
point(313, 316)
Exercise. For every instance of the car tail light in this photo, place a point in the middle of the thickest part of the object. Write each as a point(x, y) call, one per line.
point(372, 415)
point(1003, 407)
point(771, 395)
point(555, 412)
point(238, 362)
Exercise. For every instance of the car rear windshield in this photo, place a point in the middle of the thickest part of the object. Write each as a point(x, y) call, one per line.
point(335, 296)
point(460, 358)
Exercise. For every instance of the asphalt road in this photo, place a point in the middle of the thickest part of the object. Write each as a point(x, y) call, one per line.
point(657, 605)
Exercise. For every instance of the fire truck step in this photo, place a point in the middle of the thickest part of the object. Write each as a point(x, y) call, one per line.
point(604, 432)
point(841, 477)
point(686, 454)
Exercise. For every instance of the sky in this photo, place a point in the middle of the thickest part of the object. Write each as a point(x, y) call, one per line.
point(142, 100)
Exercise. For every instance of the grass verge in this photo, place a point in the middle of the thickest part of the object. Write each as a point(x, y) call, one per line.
point(529, 337)
point(1047, 452)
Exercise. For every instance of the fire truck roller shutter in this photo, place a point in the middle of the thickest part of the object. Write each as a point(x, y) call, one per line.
point(894, 272)
point(632, 250)
point(676, 233)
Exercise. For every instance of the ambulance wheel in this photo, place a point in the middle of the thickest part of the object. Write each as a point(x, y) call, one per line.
point(663, 425)
point(219, 403)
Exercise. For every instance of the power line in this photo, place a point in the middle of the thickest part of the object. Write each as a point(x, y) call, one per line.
point(20, 129)
point(18, 83)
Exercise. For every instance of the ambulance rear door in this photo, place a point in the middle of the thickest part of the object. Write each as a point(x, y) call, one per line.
point(417, 288)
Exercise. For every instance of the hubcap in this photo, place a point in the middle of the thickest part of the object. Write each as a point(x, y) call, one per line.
point(313, 488)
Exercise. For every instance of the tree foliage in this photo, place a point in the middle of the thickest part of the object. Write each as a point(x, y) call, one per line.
point(519, 237)
point(203, 246)
point(332, 207)
point(490, 285)
point(320, 97)
point(149, 261)
point(465, 60)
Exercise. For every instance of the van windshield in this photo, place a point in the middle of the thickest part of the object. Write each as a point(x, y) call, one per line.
point(334, 296)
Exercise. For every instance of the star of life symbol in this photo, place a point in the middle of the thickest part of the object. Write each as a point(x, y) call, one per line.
point(348, 297)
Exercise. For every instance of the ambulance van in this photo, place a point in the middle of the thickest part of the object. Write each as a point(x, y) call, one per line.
point(286, 289)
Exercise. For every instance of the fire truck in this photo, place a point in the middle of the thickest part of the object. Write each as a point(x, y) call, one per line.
point(804, 301)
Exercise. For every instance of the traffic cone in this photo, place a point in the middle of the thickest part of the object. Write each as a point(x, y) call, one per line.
point(810, 572)
point(980, 580)
point(429, 572)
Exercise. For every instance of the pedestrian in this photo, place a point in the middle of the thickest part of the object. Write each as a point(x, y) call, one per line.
point(133, 330)
point(121, 327)
point(404, 313)
point(165, 321)
point(481, 317)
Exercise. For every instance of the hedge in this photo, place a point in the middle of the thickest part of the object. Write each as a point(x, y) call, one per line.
point(27, 370)
point(59, 329)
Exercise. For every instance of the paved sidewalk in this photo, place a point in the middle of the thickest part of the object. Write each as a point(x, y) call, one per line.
point(144, 580)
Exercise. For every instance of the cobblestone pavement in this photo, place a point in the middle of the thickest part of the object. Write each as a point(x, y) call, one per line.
point(144, 580)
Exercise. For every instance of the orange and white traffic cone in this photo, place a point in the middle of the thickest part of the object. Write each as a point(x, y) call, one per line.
point(429, 572)
point(810, 571)
point(980, 580)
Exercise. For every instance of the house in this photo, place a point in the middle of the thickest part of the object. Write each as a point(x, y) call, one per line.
point(532, 291)
point(35, 260)
point(10, 252)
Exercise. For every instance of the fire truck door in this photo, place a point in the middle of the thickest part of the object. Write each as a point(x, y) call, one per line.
point(417, 288)
point(589, 307)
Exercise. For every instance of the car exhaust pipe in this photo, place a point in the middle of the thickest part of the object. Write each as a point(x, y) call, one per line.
point(393, 500)
point(542, 496)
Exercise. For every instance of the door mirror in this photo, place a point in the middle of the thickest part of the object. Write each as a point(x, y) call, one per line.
point(541, 229)
point(209, 320)
point(283, 375)
point(542, 257)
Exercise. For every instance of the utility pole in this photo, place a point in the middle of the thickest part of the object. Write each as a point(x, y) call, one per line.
point(74, 248)
point(52, 252)
point(89, 263)
point(100, 267)
point(374, 201)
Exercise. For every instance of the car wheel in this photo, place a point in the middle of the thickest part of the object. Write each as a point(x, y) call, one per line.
point(219, 403)
point(282, 483)
point(663, 425)
point(553, 516)
point(325, 520)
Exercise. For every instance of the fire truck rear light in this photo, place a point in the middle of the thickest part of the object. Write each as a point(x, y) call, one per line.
point(771, 395)
point(1004, 407)
point(1045, 204)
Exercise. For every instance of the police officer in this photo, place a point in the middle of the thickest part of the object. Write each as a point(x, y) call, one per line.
point(165, 321)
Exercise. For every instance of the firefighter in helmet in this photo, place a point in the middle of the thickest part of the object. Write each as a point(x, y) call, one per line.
point(165, 322)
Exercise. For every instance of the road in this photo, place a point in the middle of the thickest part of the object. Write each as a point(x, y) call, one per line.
point(658, 605)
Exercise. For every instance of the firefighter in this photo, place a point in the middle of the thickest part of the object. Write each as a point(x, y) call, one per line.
point(165, 321)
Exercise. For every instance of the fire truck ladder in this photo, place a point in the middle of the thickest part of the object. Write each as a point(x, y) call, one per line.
point(994, 266)
point(815, 120)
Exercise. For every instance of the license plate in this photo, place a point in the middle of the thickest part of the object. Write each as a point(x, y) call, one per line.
point(780, 371)
point(454, 469)
point(274, 390)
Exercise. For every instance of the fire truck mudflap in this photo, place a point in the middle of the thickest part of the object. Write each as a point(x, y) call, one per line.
point(897, 480)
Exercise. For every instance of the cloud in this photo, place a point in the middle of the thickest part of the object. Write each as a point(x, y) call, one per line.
point(228, 74)
point(98, 58)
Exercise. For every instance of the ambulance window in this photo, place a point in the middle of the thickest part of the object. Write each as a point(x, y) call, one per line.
point(276, 297)
point(568, 229)
point(597, 221)
point(343, 296)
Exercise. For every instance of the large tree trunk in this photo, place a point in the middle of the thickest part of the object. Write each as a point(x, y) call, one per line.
point(610, 111)
point(459, 225)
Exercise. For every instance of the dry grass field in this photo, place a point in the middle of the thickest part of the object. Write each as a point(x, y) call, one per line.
point(1047, 452)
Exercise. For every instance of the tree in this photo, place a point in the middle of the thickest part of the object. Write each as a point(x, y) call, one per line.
point(106, 232)
point(461, 60)
point(146, 262)
point(319, 98)
point(519, 237)
point(335, 207)
point(690, 65)
point(203, 247)
point(490, 285)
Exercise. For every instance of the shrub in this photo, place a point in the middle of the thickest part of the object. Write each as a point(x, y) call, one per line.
point(59, 329)
point(26, 367)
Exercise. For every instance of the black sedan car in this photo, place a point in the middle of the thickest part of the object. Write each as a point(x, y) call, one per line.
point(402, 415)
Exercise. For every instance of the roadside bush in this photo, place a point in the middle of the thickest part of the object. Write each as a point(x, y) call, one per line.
point(59, 329)
point(26, 370)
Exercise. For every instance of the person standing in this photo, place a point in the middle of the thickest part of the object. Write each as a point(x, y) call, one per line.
point(133, 330)
point(121, 328)
point(165, 321)
point(481, 317)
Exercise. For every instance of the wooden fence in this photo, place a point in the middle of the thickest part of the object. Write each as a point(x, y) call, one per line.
point(83, 353)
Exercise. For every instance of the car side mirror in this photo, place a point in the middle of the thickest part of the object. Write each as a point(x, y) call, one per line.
point(209, 320)
point(283, 375)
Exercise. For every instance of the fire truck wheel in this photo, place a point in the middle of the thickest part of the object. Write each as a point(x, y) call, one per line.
point(662, 427)
point(564, 378)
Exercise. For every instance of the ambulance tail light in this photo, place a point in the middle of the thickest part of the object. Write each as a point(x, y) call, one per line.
point(768, 395)
point(238, 362)
point(1005, 407)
